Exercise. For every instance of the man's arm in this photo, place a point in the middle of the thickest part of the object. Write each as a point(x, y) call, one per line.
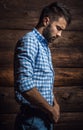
point(36, 99)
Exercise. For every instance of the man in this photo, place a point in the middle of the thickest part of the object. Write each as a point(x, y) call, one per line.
point(33, 71)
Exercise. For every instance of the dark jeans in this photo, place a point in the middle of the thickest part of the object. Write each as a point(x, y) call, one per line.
point(32, 119)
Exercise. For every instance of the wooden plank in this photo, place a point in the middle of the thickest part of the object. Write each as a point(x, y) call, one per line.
point(68, 76)
point(8, 103)
point(62, 57)
point(64, 76)
point(30, 16)
point(70, 121)
point(25, 16)
point(68, 127)
point(32, 13)
point(13, 5)
point(11, 37)
point(6, 77)
point(67, 120)
point(72, 117)
point(18, 23)
point(70, 99)
point(68, 39)
point(8, 58)
point(8, 106)
point(26, 23)
point(67, 57)
point(7, 121)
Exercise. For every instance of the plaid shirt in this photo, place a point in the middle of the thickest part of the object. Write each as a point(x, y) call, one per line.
point(33, 66)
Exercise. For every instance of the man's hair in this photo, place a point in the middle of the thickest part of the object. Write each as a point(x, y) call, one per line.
point(54, 11)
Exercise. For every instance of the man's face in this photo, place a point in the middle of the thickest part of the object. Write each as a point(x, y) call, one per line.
point(53, 30)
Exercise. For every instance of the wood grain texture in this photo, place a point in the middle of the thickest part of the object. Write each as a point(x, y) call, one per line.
point(61, 57)
point(8, 104)
point(27, 23)
point(68, 39)
point(6, 77)
point(64, 77)
point(16, 19)
point(67, 121)
point(70, 99)
point(67, 57)
point(36, 4)
point(25, 15)
point(8, 60)
point(68, 76)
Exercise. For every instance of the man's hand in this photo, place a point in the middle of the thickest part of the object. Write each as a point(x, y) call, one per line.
point(56, 112)
point(54, 115)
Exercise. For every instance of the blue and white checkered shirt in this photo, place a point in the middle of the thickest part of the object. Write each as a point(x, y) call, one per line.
point(33, 67)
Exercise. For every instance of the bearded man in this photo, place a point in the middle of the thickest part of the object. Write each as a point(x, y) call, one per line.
point(33, 71)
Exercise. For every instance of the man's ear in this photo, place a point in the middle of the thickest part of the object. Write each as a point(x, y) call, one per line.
point(46, 21)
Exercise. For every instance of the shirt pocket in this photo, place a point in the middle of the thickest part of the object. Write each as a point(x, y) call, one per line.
point(42, 63)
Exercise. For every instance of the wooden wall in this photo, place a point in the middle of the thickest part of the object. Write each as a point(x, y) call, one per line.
point(18, 17)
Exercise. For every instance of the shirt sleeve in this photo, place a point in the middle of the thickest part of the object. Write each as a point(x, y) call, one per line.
point(24, 62)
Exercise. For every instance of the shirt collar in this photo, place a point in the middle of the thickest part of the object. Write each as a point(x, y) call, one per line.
point(40, 37)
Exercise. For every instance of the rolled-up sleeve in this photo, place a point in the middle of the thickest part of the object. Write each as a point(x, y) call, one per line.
point(24, 62)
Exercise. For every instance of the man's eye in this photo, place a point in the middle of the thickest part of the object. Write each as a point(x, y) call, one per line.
point(58, 28)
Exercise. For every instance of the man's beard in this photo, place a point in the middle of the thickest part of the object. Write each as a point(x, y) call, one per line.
point(47, 34)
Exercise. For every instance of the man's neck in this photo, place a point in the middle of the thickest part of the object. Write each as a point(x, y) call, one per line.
point(40, 30)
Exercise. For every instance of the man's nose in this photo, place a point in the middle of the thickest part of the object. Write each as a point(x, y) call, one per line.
point(59, 33)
